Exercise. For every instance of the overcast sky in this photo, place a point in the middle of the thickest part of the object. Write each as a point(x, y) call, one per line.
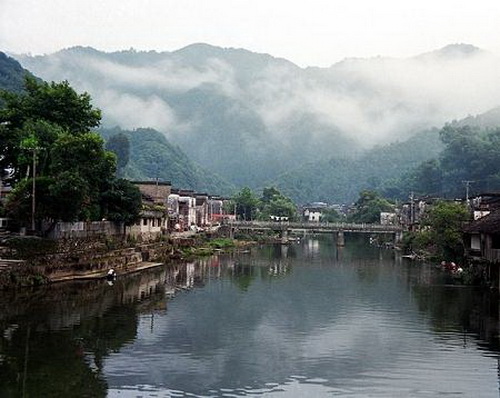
point(309, 33)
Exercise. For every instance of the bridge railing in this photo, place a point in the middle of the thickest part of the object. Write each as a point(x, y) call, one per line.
point(318, 225)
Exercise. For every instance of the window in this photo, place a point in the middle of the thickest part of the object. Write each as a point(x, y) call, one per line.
point(495, 241)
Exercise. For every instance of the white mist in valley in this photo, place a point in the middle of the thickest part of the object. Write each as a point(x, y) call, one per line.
point(370, 101)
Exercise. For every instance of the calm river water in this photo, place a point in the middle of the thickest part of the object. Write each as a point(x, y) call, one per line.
point(306, 320)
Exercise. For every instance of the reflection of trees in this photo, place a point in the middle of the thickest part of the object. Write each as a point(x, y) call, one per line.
point(461, 308)
point(53, 340)
point(243, 275)
point(42, 364)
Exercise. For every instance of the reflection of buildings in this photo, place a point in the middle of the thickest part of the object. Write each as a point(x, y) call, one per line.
point(312, 247)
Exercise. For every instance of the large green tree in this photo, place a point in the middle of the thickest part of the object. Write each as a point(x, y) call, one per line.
point(246, 204)
point(274, 203)
point(48, 137)
point(368, 207)
point(441, 231)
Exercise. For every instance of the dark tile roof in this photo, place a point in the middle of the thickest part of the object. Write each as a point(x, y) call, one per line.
point(489, 224)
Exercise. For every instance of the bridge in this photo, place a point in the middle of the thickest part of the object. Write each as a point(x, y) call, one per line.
point(285, 227)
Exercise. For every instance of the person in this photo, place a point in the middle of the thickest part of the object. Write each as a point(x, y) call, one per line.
point(111, 274)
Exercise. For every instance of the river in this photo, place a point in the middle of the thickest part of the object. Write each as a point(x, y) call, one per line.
point(302, 320)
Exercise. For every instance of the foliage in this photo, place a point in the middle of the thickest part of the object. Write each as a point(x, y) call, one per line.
point(368, 207)
point(441, 230)
point(221, 243)
point(274, 203)
point(340, 179)
point(330, 215)
point(75, 176)
point(246, 204)
point(153, 156)
point(471, 155)
point(122, 202)
point(53, 102)
point(12, 74)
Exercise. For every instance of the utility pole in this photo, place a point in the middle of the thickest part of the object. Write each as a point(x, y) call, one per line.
point(412, 209)
point(467, 185)
point(33, 190)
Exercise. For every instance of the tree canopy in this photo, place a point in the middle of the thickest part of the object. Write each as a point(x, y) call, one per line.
point(368, 207)
point(441, 231)
point(272, 203)
point(48, 137)
point(471, 157)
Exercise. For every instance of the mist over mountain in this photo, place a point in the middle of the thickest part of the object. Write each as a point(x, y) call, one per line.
point(251, 117)
point(12, 74)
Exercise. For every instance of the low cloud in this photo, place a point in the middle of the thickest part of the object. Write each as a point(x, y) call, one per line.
point(370, 100)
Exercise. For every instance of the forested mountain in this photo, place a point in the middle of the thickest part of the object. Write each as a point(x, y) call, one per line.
point(380, 168)
point(152, 156)
point(11, 74)
point(469, 163)
point(490, 119)
point(252, 117)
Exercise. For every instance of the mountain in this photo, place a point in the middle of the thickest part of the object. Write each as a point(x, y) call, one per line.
point(489, 119)
point(452, 52)
point(152, 156)
point(340, 180)
point(252, 117)
point(12, 74)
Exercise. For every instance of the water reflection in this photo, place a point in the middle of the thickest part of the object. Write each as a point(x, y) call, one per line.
point(306, 319)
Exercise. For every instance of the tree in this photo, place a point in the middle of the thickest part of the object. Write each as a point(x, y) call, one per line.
point(246, 204)
point(368, 207)
point(274, 203)
point(441, 234)
point(330, 215)
point(122, 202)
point(56, 103)
point(75, 176)
point(42, 112)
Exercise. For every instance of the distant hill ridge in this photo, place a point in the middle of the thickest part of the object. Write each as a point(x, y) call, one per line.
point(252, 118)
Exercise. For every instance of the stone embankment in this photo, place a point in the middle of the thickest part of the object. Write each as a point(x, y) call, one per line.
point(31, 261)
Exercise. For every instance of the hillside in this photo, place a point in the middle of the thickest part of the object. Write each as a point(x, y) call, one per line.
point(251, 117)
point(341, 179)
point(11, 74)
point(152, 156)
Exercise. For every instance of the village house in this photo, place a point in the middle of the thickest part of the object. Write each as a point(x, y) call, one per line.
point(215, 209)
point(313, 212)
point(202, 210)
point(484, 204)
point(173, 211)
point(154, 215)
point(411, 212)
point(187, 210)
point(388, 218)
point(482, 244)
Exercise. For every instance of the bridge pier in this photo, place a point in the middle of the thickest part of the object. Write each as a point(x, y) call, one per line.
point(398, 237)
point(284, 235)
point(340, 238)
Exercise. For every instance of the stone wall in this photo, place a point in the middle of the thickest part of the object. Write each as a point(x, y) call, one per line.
point(84, 258)
point(85, 229)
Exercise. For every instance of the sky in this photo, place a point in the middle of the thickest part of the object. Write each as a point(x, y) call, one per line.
point(308, 33)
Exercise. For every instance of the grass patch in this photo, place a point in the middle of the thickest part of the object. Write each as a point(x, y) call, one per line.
point(222, 243)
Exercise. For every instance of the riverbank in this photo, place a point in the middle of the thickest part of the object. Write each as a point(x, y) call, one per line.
point(29, 261)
